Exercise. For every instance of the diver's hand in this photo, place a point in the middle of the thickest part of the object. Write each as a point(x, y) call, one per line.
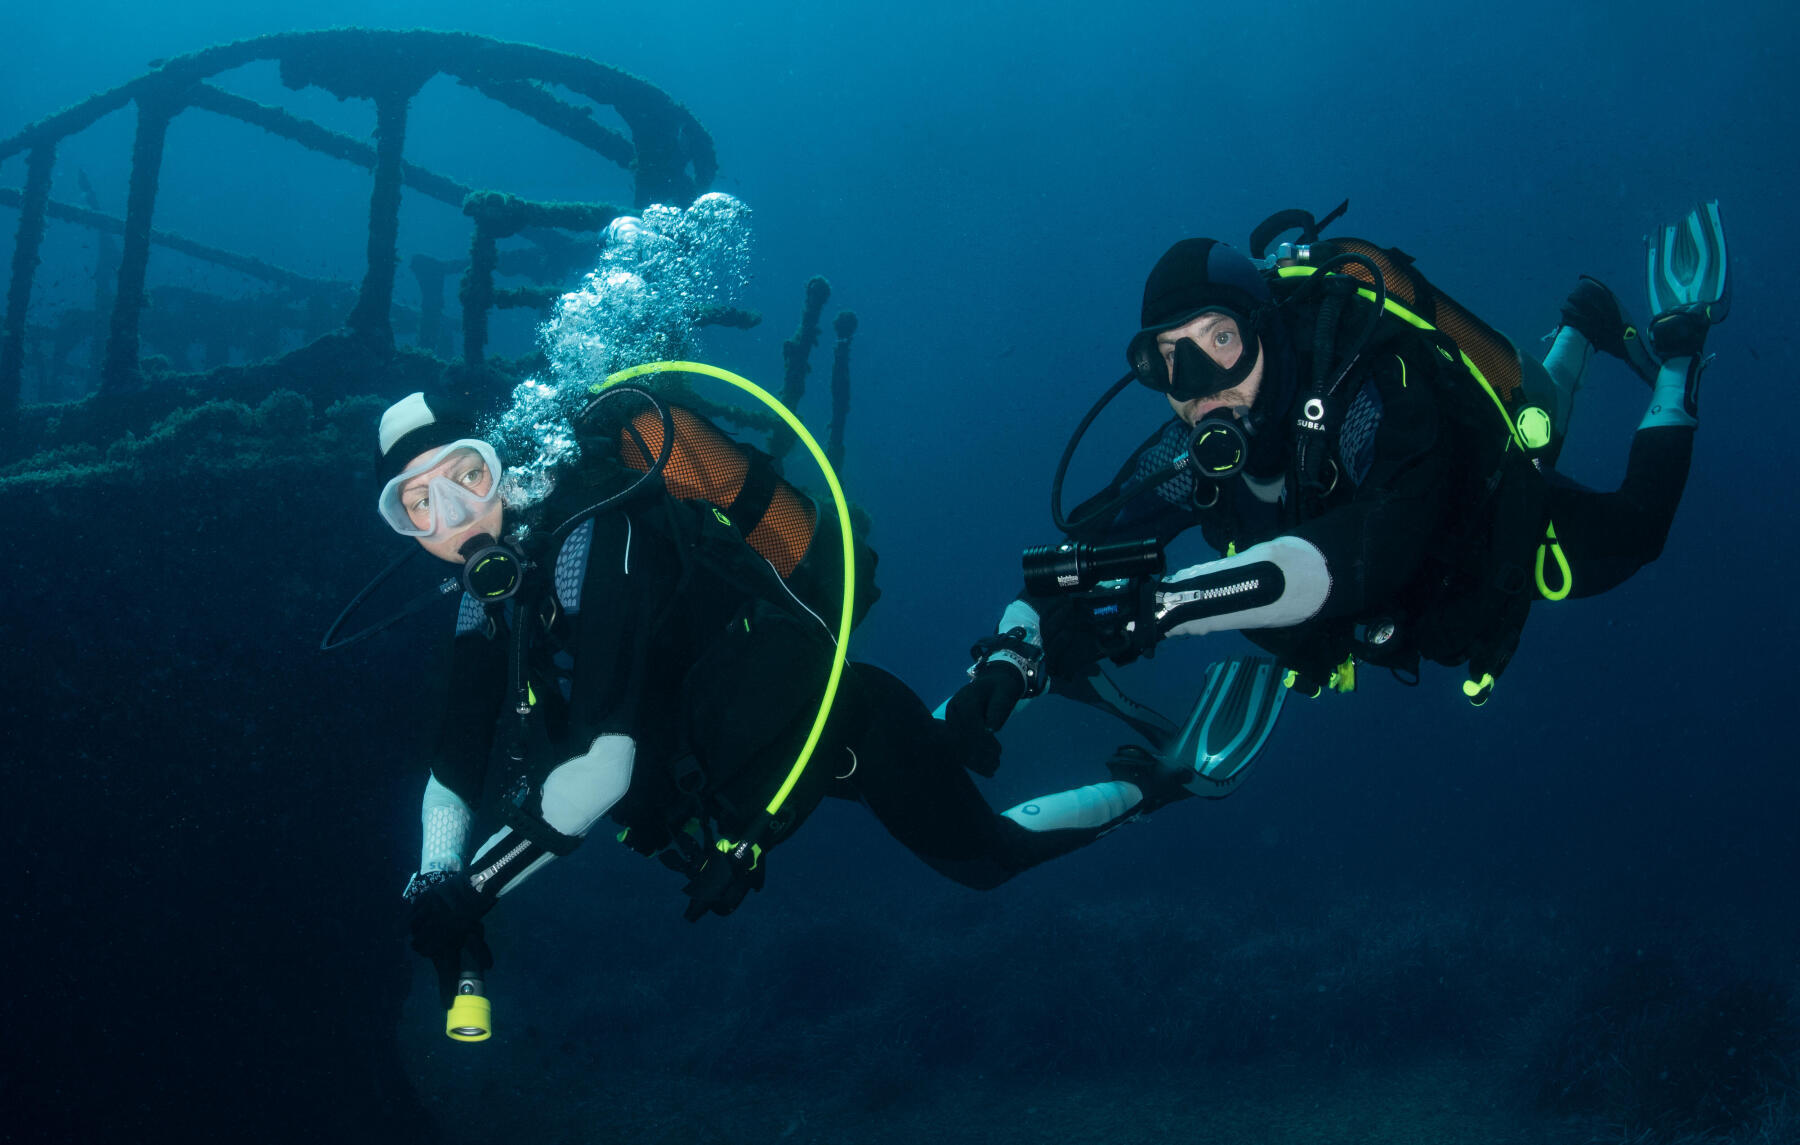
point(1080, 631)
point(985, 702)
point(443, 914)
point(445, 921)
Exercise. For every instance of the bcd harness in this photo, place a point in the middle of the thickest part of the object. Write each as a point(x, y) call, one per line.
point(1472, 604)
point(720, 870)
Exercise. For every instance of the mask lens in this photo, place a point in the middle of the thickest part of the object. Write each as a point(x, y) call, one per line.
point(1146, 360)
point(1196, 372)
point(445, 492)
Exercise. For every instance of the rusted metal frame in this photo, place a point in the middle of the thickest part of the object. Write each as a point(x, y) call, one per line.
point(26, 249)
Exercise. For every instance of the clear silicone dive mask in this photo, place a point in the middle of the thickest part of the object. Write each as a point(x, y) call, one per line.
point(445, 492)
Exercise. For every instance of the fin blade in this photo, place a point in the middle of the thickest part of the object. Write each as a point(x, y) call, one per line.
point(1688, 264)
point(1230, 723)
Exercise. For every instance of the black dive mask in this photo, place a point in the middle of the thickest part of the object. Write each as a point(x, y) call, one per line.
point(1196, 375)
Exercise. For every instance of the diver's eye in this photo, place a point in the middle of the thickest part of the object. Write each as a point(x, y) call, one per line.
point(421, 505)
point(1223, 338)
point(472, 477)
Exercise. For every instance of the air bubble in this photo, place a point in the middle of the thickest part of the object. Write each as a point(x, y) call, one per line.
point(656, 273)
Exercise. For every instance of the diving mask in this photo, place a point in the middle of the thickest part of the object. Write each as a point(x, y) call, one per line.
point(445, 492)
point(1196, 373)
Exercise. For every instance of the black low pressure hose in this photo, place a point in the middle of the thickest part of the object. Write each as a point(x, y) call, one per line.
point(519, 670)
point(652, 474)
point(1326, 332)
point(329, 643)
point(1317, 428)
point(1063, 524)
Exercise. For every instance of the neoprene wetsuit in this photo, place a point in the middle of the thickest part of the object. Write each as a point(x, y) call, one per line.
point(673, 675)
point(1375, 544)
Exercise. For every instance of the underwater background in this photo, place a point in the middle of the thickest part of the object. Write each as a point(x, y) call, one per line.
point(1567, 916)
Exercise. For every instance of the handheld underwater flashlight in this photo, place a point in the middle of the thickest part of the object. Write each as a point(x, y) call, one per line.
point(471, 1016)
point(1076, 566)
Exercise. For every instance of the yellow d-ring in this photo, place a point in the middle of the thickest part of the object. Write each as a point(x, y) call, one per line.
point(1554, 547)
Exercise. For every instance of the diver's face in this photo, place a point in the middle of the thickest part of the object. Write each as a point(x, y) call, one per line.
point(466, 468)
point(1221, 340)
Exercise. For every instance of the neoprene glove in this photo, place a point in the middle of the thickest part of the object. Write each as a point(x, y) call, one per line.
point(986, 701)
point(1072, 641)
point(445, 921)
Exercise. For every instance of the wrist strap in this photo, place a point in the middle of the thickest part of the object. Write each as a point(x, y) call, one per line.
point(1012, 648)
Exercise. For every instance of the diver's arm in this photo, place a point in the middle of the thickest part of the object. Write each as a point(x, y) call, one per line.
point(571, 800)
point(1007, 674)
point(1349, 559)
point(447, 906)
point(464, 739)
point(553, 818)
point(1277, 584)
point(1161, 511)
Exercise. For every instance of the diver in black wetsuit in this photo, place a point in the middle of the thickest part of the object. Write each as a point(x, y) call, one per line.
point(660, 663)
point(1377, 471)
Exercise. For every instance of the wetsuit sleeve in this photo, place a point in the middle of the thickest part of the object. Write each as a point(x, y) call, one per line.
point(459, 755)
point(1351, 558)
point(465, 737)
point(623, 591)
point(1161, 511)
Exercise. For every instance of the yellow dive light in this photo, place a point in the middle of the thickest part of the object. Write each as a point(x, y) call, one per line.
point(471, 1016)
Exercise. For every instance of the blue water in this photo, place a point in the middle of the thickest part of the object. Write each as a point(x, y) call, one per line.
point(986, 185)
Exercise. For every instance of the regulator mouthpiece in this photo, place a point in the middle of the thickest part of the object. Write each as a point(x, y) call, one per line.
point(491, 572)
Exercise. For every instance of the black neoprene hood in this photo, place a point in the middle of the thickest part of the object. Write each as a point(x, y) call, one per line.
point(1197, 273)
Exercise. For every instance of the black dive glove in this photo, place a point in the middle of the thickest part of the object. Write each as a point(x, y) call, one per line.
point(1083, 629)
point(1008, 668)
point(445, 921)
point(985, 702)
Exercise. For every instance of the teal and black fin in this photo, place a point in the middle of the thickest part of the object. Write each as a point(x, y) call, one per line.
point(1229, 725)
point(1688, 267)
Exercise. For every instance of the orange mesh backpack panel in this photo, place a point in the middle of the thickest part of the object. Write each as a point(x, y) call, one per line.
point(706, 465)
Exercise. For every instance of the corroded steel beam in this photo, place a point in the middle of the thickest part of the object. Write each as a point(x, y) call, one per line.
point(242, 263)
point(325, 141)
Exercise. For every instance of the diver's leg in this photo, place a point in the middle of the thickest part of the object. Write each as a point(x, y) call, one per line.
point(1607, 537)
point(1566, 363)
point(1592, 319)
point(910, 772)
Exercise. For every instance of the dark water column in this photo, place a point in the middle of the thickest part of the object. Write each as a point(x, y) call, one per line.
point(25, 263)
point(478, 292)
point(372, 317)
point(121, 369)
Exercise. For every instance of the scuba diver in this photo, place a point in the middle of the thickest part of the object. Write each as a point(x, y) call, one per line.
point(648, 643)
point(1374, 464)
